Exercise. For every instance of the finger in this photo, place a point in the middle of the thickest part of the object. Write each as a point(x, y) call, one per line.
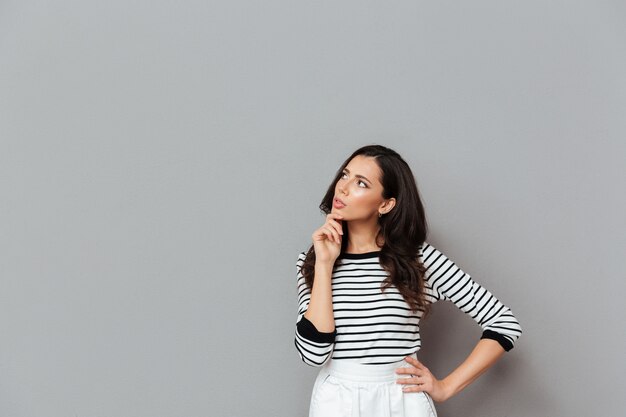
point(408, 381)
point(413, 388)
point(335, 224)
point(334, 215)
point(328, 234)
point(319, 235)
point(408, 370)
point(336, 237)
point(332, 234)
point(414, 362)
point(336, 228)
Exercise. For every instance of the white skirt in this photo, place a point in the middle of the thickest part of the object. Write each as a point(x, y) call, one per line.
point(345, 388)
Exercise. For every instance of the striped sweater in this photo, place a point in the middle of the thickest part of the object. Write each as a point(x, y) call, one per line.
point(376, 327)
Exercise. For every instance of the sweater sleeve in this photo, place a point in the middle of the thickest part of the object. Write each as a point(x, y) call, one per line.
point(314, 347)
point(449, 282)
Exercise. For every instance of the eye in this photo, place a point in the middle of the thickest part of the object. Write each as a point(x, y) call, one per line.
point(359, 181)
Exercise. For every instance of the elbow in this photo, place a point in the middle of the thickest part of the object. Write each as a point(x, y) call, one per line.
point(504, 329)
point(506, 334)
point(314, 347)
point(308, 331)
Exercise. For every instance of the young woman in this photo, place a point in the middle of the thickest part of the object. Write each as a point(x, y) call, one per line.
point(364, 285)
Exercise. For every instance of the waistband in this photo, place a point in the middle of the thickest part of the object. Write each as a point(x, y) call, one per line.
point(357, 372)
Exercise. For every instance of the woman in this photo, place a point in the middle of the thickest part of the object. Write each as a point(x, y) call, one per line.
point(364, 285)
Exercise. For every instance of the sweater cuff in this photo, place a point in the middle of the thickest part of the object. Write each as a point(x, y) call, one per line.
point(498, 337)
point(310, 332)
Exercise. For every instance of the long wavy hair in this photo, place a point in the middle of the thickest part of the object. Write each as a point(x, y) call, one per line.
point(404, 228)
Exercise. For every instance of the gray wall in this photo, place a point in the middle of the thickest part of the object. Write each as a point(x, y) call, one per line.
point(161, 164)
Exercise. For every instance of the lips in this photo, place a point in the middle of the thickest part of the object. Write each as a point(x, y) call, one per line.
point(340, 202)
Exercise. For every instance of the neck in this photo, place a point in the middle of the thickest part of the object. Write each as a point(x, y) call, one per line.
point(362, 236)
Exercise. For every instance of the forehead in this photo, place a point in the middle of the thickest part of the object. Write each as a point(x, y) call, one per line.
point(366, 166)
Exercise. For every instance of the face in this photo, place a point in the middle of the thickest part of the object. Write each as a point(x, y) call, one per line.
point(360, 190)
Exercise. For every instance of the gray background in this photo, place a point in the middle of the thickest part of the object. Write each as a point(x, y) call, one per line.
point(161, 164)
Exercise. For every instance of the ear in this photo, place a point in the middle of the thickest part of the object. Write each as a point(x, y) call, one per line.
point(388, 205)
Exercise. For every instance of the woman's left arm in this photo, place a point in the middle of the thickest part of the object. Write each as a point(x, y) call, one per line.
point(485, 354)
point(446, 281)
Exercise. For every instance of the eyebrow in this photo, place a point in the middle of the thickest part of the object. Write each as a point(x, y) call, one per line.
point(357, 175)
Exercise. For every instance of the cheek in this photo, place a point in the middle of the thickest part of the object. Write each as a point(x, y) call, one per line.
point(363, 199)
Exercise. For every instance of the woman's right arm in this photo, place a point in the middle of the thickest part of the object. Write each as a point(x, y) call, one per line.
point(314, 346)
point(315, 328)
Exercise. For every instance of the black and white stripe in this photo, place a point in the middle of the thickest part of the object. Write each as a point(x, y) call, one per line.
point(375, 327)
